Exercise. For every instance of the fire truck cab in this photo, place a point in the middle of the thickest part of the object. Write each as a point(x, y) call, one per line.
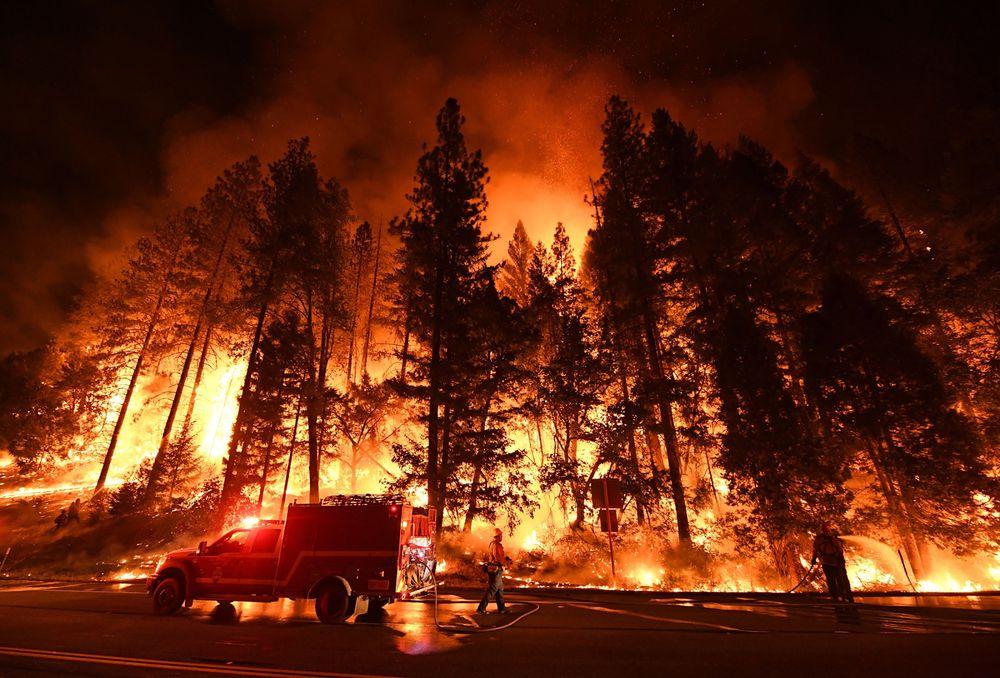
point(350, 553)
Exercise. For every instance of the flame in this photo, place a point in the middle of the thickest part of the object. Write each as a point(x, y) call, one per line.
point(532, 542)
point(418, 496)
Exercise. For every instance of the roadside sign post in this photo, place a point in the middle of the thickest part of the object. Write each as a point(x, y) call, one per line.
point(606, 494)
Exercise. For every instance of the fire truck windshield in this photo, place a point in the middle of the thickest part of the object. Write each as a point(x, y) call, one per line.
point(230, 543)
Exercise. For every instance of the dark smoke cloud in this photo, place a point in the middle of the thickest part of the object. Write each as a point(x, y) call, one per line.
point(127, 110)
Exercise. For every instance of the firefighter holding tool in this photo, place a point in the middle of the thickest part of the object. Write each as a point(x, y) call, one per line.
point(493, 565)
point(829, 550)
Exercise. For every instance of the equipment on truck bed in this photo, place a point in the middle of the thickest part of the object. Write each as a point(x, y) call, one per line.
point(349, 553)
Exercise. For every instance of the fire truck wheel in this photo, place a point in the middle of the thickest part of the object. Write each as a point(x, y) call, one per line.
point(332, 603)
point(168, 596)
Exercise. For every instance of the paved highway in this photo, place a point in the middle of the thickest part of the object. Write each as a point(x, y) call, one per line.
point(108, 629)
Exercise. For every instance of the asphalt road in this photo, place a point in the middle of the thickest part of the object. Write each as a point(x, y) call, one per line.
point(100, 629)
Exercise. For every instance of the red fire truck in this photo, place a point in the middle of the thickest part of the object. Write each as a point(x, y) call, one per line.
point(351, 553)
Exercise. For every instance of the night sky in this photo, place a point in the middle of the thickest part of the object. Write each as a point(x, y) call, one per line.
point(115, 112)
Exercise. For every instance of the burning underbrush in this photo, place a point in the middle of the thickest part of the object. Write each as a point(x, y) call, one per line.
point(102, 543)
point(648, 559)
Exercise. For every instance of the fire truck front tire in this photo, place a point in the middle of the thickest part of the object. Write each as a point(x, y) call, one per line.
point(168, 596)
point(333, 603)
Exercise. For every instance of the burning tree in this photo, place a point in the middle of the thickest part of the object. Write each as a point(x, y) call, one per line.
point(442, 261)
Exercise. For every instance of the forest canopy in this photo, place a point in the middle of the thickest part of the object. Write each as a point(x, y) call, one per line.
point(749, 347)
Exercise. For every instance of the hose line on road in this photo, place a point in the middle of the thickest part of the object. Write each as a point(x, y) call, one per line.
point(451, 628)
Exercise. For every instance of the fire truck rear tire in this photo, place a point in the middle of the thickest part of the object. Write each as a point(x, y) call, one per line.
point(168, 596)
point(332, 603)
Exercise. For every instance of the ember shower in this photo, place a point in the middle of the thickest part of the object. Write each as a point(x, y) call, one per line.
point(753, 339)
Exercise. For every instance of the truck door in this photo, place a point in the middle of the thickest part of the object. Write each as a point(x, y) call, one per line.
point(261, 561)
point(220, 567)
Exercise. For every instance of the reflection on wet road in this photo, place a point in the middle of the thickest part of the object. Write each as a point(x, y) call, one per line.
point(574, 632)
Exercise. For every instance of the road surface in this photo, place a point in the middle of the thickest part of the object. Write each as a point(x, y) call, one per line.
point(108, 629)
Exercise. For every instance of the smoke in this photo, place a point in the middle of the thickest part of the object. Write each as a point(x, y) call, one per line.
point(365, 84)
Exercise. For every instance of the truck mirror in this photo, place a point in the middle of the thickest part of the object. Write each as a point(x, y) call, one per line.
point(201, 547)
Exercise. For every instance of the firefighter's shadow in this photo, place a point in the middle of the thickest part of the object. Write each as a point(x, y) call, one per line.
point(224, 613)
point(377, 617)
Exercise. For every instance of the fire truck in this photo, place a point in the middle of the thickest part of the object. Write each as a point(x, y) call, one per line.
point(349, 553)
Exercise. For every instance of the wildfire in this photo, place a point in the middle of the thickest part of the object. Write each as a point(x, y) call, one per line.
point(647, 577)
point(532, 542)
point(65, 488)
point(864, 573)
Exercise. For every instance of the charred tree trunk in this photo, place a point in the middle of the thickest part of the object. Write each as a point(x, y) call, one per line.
point(354, 322)
point(232, 483)
point(477, 477)
point(198, 373)
point(136, 370)
point(371, 305)
point(442, 484)
point(291, 453)
point(897, 513)
point(669, 432)
point(265, 471)
point(433, 400)
point(406, 341)
point(157, 469)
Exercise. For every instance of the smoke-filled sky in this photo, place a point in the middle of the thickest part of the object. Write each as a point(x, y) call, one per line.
point(116, 112)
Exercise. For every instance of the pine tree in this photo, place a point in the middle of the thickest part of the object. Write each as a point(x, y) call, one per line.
point(442, 259)
point(884, 400)
point(572, 375)
point(514, 279)
point(361, 253)
point(358, 415)
point(635, 277)
point(227, 210)
point(136, 304)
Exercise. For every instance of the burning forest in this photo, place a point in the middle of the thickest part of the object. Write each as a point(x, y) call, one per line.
point(744, 346)
point(750, 343)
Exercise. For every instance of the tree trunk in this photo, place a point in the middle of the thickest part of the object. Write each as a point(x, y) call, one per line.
point(477, 477)
point(897, 514)
point(265, 471)
point(354, 323)
point(371, 305)
point(442, 485)
point(406, 342)
point(291, 453)
point(123, 411)
point(202, 358)
point(433, 400)
point(157, 468)
point(473, 499)
point(232, 480)
point(669, 433)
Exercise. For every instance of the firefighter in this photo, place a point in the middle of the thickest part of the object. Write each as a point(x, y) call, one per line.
point(829, 550)
point(493, 566)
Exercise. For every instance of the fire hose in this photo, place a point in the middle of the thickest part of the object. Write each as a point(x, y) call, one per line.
point(451, 628)
point(906, 571)
point(802, 581)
